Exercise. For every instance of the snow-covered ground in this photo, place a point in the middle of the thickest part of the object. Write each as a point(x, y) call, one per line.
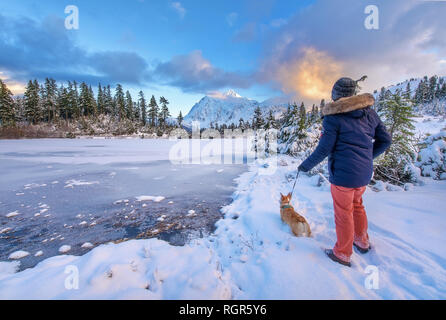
point(253, 255)
point(429, 124)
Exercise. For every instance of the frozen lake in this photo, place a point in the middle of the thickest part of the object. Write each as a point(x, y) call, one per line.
point(56, 192)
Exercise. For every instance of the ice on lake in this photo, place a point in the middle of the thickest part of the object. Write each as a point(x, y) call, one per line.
point(68, 192)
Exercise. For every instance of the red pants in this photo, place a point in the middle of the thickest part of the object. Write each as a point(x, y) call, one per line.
point(350, 219)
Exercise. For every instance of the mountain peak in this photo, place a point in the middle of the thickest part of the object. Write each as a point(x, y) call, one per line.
point(232, 93)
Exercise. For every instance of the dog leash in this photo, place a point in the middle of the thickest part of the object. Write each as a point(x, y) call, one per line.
point(295, 180)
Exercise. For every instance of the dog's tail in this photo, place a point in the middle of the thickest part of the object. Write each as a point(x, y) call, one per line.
point(308, 230)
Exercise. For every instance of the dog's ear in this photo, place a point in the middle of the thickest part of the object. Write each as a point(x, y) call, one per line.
point(289, 195)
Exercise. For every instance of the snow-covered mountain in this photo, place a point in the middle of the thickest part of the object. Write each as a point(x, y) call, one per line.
point(414, 83)
point(435, 107)
point(229, 108)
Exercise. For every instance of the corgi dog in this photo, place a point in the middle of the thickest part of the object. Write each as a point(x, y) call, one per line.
point(297, 223)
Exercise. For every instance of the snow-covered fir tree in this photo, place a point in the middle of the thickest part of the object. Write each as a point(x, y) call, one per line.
point(397, 115)
point(7, 106)
point(120, 102)
point(32, 102)
point(153, 111)
point(143, 107)
point(164, 112)
point(180, 119)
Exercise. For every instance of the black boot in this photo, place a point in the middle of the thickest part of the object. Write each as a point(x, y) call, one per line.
point(332, 256)
point(362, 250)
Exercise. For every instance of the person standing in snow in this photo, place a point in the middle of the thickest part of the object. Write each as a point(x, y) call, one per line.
point(352, 136)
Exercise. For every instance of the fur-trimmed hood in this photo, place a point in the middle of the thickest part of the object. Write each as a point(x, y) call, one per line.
point(348, 104)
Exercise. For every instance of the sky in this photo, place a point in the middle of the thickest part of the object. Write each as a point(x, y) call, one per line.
point(186, 49)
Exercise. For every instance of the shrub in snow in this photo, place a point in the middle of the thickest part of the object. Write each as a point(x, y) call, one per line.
point(431, 158)
point(9, 267)
point(408, 187)
point(300, 144)
point(396, 111)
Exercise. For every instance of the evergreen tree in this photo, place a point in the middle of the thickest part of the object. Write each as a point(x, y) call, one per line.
point(19, 108)
point(443, 91)
point(407, 93)
point(287, 118)
point(87, 102)
point(164, 113)
point(314, 115)
point(62, 101)
point(271, 122)
point(136, 111)
point(153, 111)
point(302, 123)
point(93, 104)
point(241, 124)
point(119, 102)
point(76, 101)
point(180, 119)
point(129, 106)
point(84, 98)
point(380, 101)
point(258, 121)
point(32, 102)
point(49, 96)
point(109, 105)
point(142, 106)
point(432, 88)
point(101, 100)
point(7, 106)
point(73, 108)
point(398, 118)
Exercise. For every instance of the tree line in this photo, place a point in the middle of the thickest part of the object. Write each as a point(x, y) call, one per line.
point(49, 103)
point(428, 90)
point(294, 114)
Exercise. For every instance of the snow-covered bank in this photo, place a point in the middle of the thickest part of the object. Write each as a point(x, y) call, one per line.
point(253, 255)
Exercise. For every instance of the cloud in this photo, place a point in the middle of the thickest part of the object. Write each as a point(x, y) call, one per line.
point(178, 7)
point(193, 73)
point(128, 67)
point(246, 34)
point(27, 45)
point(30, 49)
point(38, 50)
point(231, 18)
point(311, 74)
point(277, 23)
point(328, 39)
point(14, 86)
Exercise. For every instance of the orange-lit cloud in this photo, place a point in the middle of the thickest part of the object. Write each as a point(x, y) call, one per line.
point(15, 87)
point(311, 76)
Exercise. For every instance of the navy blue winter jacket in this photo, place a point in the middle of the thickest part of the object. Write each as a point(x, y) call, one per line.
point(352, 136)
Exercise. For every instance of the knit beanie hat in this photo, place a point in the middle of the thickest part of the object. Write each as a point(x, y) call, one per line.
point(345, 87)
